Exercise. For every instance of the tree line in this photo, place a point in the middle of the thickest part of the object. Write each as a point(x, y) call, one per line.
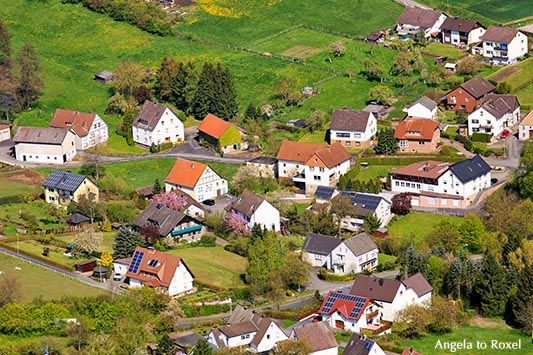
point(20, 80)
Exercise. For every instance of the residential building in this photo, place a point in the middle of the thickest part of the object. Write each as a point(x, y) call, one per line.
point(417, 135)
point(504, 45)
point(254, 209)
point(44, 145)
point(171, 223)
point(266, 165)
point(310, 165)
point(222, 135)
point(416, 20)
point(410, 351)
point(5, 131)
point(362, 345)
point(156, 269)
point(191, 207)
point(366, 203)
point(318, 336)
point(196, 179)
point(342, 256)
point(157, 124)
point(379, 111)
point(353, 128)
point(392, 295)
point(469, 96)
point(525, 129)
point(89, 128)
point(246, 328)
point(424, 107)
point(63, 187)
point(120, 266)
point(324, 194)
point(497, 113)
point(461, 32)
point(442, 184)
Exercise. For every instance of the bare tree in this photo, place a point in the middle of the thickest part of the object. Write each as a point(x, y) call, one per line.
point(10, 290)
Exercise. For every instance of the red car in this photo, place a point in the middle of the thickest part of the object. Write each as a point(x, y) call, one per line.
point(504, 133)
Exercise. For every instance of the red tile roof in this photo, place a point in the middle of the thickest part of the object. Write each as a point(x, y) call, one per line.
point(410, 351)
point(312, 154)
point(4, 125)
point(330, 156)
point(298, 151)
point(162, 273)
point(80, 122)
point(317, 335)
point(185, 172)
point(213, 126)
point(345, 305)
point(416, 128)
point(426, 169)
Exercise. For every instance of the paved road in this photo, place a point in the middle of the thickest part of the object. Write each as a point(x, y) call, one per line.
point(109, 285)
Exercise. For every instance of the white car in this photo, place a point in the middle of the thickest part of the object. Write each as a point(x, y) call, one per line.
point(117, 276)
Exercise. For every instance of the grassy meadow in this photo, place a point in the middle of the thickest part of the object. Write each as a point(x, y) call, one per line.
point(214, 266)
point(417, 224)
point(38, 282)
point(519, 76)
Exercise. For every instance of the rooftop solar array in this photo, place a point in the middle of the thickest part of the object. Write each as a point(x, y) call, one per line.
point(359, 302)
point(368, 345)
point(63, 180)
point(367, 201)
point(137, 257)
point(324, 192)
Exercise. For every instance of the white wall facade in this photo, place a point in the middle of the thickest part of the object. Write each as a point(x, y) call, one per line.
point(506, 53)
point(349, 324)
point(5, 134)
point(345, 137)
point(98, 134)
point(318, 176)
point(272, 336)
point(525, 132)
point(181, 281)
point(420, 111)
point(168, 129)
point(267, 216)
point(47, 153)
point(482, 121)
point(208, 186)
point(120, 268)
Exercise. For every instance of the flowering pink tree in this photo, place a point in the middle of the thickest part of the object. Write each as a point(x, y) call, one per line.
point(238, 225)
point(169, 199)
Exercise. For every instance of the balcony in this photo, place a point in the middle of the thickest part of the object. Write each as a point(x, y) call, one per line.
point(372, 315)
point(382, 327)
point(192, 229)
point(299, 178)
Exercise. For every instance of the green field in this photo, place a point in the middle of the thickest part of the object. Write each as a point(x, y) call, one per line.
point(214, 266)
point(417, 224)
point(519, 76)
point(444, 50)
point(374, 171)
point(15, 187)
point(38, 282)
point(246, 22)
point(489, 12)
point(429, 344)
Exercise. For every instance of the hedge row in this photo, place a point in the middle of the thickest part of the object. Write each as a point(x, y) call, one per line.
point(10, 199)
point(401, 161)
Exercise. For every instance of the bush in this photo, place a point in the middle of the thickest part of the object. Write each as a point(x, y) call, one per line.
point(208, 240)
point(480, 137)
point(328, 276)
point(446, 150)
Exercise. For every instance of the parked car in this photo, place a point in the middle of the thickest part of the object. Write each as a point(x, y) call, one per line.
point(117, 276)
point(493, 181)
point(504, 134)
point(209, 202)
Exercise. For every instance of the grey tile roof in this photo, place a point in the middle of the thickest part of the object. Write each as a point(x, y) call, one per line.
point(358, 345)
point(162, 216)
point(418, 283)
point(478, 86)
point(347, 119)
point(500, 34)
point(247, 203)
point(426, 102)
point(499, 105)
point(360, 244)
point(416, 16)
point(42, 135)
point(470, 169)
point(375, 288)
point(264, 160)
point(459, 24)
point(64, 180)
point(149, 116)
point(320, 244)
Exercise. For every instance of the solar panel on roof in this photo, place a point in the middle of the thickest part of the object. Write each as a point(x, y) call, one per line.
point(368, 345)
point(137, 257)
point(324, 192)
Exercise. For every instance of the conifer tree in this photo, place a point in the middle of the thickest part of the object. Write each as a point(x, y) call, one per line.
point(204, 95)
point(158, 188)
point(126, 241)
point(202, 348)
point(491, 287)
point(165, 84)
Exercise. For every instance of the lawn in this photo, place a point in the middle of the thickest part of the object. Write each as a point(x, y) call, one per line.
point(246, 22)
point(417, 224)
point(12, 212)
point(214, 266)
point(374, 171)
point(489, 12)
point(320, 137)
point(428, 344)
point(383, 258)
point(38, 282)
point(444, 50)
point(19, 183)
point(519, 76)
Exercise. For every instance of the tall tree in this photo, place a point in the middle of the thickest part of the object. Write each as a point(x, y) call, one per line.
point(491, 287)
point(202, 348)
point(5, 46)
point(387, 144)
point(205, 92)
point(166, 80)
point(29, 84)
point(126, 241)
point(158, 187)
point(401, 203)
point(128, 77)
point(225, 104)
point(381, 94)
point(471, 232)
point(88, 242)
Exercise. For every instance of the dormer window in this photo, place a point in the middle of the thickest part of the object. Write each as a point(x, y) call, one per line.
point(153, 263)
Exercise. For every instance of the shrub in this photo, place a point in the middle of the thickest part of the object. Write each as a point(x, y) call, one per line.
point(480, 137)
point(446, 150)
point(208, 240)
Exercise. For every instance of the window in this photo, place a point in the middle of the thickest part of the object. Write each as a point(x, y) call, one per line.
point(342, 135)
point(321, 170)
point(316, 178)
point(432, 200)
point(407, 184)
point(348, 144)
point(421, 142)
point(357, 135)
point(481, 112)
point(467, 99)
point(475, 121)
point(397, 183)
point(404, 144)
point(444, 201)
point(402, 184)
point(311, 168)
point(431, 188)
point(357, 144)
point(268, 336)
point(418, 186)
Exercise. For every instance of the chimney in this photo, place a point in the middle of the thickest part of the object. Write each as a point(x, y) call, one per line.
point(192, 165)
point(411, 350)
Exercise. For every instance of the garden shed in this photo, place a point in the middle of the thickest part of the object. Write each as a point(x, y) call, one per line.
point(86, 266)
point(104, 77)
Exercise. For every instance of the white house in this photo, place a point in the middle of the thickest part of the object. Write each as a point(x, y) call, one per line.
point(497, 113)
point(459, 31)
point(392, 295)
point(442, 184)
point(254, 209)
point(342, 256)
point(525, 129)
point(5, 131)
point(353, 128)
point(413, 20)
point(44, 145)
point(89, 128)
point(366, 203)
point(157, 124)
point(310, 165)
point(318, 336)
point(153, 268)
point(504, 45)
point(424, 107)
point(196, 179)
point(246, 328)
point(362, 345)
point(120, 266)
